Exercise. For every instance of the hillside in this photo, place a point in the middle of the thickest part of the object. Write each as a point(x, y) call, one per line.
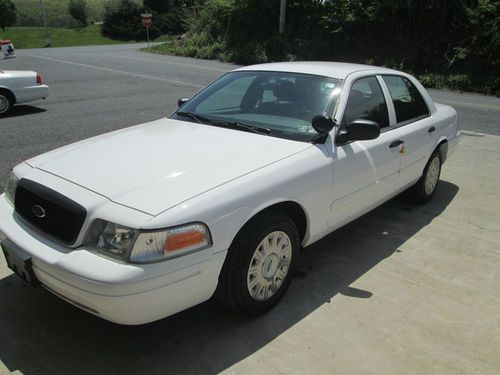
point(56, 11)
point(34, 37)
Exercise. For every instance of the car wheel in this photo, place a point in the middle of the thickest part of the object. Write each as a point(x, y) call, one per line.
point(426, 186)
point(6, 103)
point(259, 265)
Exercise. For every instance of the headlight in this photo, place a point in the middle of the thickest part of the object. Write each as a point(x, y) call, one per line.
point(169, 243)
point(148, 246)
point(111, 239)
point(10, 188)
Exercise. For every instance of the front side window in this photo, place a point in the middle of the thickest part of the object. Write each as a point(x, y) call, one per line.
point(408, 103)
point(281, 103)
point(366, 101)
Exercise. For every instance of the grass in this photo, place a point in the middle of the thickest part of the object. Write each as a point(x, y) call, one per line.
point(165, 48)
point(171, 46)
point(34, 37)
point(56, 12)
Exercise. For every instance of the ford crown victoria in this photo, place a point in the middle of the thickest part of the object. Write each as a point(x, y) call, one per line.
point(17, 87)
point(218, 199)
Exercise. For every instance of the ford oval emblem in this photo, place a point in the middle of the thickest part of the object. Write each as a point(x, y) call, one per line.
point(38, 211)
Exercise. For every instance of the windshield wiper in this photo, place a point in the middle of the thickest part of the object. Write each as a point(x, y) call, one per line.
point(196, 117)
point(226, 124)
point(240, 126)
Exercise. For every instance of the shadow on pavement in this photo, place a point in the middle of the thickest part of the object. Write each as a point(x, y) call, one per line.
point(41, 334)
point(23, 110)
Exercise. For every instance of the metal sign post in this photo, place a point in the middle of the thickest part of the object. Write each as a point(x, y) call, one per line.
point(48, 40)
point(147, 22)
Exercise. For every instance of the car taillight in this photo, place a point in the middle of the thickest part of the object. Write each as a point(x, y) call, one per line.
point(39, 79)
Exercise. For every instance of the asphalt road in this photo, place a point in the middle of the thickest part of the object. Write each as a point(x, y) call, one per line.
point(102, 88)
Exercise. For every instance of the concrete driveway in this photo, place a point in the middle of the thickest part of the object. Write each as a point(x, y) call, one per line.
point(403, 290)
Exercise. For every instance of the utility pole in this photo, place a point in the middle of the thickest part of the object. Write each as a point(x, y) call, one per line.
point(48, 42)
point(282, 16)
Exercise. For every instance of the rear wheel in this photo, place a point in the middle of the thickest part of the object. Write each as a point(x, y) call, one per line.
point(259, 265)
point(6, 102)
point(426, 186)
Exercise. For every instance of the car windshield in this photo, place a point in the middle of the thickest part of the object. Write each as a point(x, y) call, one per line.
point(278, 104)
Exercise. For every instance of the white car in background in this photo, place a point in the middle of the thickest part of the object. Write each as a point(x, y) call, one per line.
point(138, 224)
point(18, 87)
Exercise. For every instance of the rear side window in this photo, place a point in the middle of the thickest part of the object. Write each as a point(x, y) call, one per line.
point(408, 103)
point(366, 101)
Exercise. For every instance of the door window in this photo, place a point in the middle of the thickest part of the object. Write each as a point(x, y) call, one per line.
point(366, 101)
point(408, 103)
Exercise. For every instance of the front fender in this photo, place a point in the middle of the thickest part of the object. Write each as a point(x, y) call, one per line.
point(304, 178)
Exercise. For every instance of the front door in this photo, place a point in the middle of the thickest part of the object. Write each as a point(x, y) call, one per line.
point(364, 172)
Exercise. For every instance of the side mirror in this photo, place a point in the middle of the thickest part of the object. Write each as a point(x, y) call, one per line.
point(181, 101)
point(323, 124)
point(359, 130)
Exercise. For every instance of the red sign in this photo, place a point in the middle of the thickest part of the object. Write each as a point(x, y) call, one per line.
point(147, 19)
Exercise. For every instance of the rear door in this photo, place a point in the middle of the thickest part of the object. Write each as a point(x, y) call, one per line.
point(415, 125)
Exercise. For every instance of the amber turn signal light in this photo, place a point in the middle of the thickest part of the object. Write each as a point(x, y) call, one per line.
point(182, 240)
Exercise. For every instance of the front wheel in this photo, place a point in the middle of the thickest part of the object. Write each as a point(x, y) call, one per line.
point(426, 186)
point(259, 265)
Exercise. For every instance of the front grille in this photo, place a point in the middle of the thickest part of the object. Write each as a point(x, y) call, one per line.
point(49, 212)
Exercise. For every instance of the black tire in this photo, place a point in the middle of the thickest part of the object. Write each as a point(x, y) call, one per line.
point(419, 192)
point(6, 102)
point(233, 290)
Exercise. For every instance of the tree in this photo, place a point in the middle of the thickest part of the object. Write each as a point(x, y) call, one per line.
point(78, 10)
point(122, 21)
point(160, 6)
point(8, 14)
point(168, 15)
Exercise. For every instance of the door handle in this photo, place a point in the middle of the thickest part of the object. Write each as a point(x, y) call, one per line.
point(396, 143)
point(431, 129)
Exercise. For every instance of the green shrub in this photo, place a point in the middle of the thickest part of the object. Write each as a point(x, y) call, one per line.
point(398, 34)
point(122, 21)
point(8, 14)
point(79, 11)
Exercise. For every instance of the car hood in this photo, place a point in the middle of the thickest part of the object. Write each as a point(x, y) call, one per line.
point(158, 165)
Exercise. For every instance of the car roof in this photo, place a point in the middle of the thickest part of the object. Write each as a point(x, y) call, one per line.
point(338, 70)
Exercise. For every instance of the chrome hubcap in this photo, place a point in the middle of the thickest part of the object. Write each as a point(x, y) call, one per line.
point(432, 176)
point(4, 104)
point(269, 266)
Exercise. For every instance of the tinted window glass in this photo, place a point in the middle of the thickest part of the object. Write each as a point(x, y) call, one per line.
point(282, 102)
point(408, 103)
point(366, 101)
point(230, 97)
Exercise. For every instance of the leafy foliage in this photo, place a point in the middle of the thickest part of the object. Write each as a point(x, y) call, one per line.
point(122, 21)
point(8, 14)
point(449, 43)
point(122, 18)
point(79, 11)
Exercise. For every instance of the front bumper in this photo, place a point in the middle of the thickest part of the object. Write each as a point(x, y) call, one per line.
point(119, 292)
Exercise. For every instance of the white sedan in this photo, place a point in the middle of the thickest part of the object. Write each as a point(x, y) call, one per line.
point(18, 87)
point(140, 223)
